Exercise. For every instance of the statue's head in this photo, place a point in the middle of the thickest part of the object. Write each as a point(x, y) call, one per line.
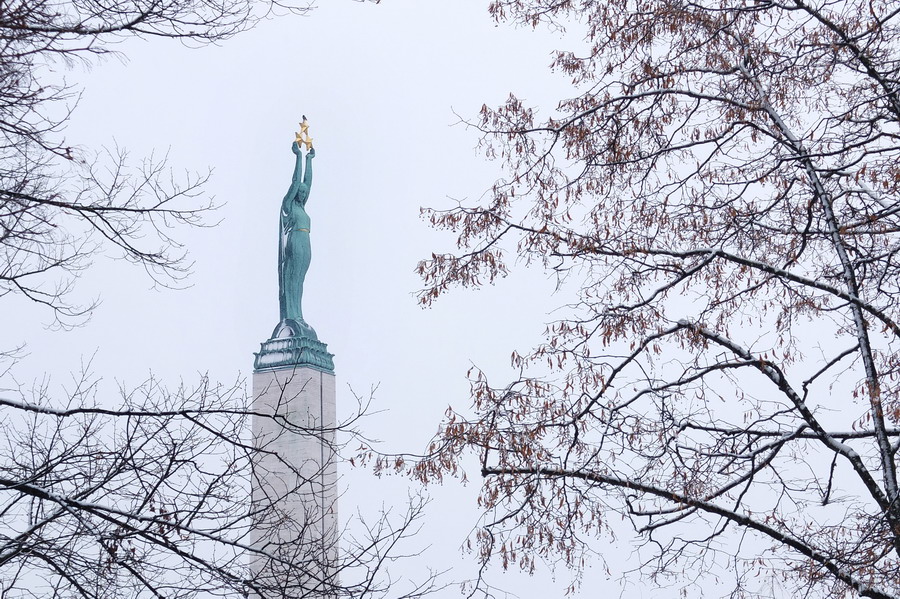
point(303, 193)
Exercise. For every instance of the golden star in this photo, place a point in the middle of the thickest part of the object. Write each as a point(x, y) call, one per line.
point(304, 126)
point(298, 139)
point(308, 141)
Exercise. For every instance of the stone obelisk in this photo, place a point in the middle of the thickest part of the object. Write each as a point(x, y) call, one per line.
point(294, 482)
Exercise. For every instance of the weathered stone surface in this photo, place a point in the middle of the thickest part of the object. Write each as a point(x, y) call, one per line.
point(298, 475)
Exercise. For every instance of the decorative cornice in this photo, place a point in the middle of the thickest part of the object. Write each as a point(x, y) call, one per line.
point(287, 352)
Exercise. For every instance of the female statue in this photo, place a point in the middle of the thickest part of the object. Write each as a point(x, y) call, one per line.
point(294, 250)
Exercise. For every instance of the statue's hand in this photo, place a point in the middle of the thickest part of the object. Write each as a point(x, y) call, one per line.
point(311, 153)
point(295, 148)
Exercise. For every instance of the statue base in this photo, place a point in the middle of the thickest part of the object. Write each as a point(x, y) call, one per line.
point(293, 343)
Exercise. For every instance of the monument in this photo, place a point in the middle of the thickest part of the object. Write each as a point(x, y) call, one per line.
point(294, 483)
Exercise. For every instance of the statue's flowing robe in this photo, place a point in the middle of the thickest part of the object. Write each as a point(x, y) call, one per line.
point(293, 256)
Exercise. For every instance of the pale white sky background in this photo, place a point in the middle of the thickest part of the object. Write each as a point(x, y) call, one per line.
point(379, 84)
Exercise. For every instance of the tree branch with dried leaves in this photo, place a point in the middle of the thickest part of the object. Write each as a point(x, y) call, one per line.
point(720, 196)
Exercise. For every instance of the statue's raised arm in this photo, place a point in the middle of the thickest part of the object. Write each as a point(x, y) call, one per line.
point(297, 179)
point(307, 175)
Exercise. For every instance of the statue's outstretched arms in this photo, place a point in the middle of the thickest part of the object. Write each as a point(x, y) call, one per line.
point(298, 166)
point(307, 176)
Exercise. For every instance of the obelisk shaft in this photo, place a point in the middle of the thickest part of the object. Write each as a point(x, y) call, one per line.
point(295, 482)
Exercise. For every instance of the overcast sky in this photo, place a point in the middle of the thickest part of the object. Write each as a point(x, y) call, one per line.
point(380, 85)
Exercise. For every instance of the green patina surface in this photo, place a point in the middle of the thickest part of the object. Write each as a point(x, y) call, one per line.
point(294, 342)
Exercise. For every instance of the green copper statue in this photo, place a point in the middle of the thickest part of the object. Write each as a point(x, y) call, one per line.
point(293, 243)
point(294, 343)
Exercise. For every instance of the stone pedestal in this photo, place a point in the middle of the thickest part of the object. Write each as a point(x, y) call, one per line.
point(294, 485)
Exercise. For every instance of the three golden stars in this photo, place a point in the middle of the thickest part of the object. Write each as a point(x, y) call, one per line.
point(303, 138)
